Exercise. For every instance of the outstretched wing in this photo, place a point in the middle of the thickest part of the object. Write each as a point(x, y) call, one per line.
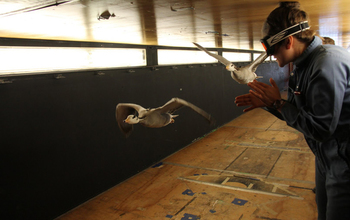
point(170, 107)
point(175, 104)
point(216, 56)
point(258, 61)
point(121, 113)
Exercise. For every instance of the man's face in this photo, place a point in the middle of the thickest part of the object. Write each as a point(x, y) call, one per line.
point(280, 54)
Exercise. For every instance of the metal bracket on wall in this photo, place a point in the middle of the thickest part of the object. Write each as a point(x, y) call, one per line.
point(154, 68)
point(59, 76)
point(5, 81)
point(100, 73)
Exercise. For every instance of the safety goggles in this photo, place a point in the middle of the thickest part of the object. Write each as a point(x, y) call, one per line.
point(270, 42)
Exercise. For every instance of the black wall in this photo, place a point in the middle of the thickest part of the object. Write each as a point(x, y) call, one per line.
point(60, 143)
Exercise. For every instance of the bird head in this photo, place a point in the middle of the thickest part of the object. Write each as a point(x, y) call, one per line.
point(231, 67)
point(132, 119)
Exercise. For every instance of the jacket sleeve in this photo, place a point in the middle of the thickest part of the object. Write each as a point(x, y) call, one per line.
point(274, 112)
point(319, 117)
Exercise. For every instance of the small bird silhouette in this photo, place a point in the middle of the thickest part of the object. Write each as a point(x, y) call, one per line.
point(105, 15)
point(128, 114)
point(242, 75)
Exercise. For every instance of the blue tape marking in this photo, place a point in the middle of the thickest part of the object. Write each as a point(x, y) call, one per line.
point(168, 216)
point(188, 192)
point(204, 174)
point(190, 217)
point(157, 165)
point(195, 174)
point(239, 202)
point(212, 211)
point(204, 193)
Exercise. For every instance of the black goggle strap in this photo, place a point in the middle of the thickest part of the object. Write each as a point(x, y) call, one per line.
point(269, 42)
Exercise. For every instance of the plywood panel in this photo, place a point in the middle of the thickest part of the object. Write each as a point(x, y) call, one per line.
point(163, 196)
point(258, 118)
point(301, 166)
point(209, 152)
point(256, 161)
point(277, 139)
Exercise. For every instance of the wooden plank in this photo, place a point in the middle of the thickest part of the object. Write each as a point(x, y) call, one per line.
point(301, 166)
point(209, 152)
point(255, 161)
point(278, 139)
point(258, 118)
point(281, 125)
point(159, 194)
point(242, 183)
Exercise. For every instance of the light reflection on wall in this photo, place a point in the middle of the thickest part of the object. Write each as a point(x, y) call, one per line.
point(166, 57)
point(237, 57)
point(9, 6)
point(329, 27)
point(20, 60)
point(256, 55)
point(41, 24)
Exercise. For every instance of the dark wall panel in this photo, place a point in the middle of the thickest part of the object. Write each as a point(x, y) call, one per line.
point(60, 143)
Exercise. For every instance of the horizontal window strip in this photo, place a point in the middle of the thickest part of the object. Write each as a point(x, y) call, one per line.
point(20, 60)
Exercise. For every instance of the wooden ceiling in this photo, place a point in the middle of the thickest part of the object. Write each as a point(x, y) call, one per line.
point(212, 23)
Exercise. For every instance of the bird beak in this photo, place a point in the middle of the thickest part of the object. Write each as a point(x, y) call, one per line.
point(230, 68)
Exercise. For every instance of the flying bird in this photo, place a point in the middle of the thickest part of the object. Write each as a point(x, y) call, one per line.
point(242, 75)
point(128, 114)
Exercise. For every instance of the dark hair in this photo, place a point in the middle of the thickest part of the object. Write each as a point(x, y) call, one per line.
point(285, 16)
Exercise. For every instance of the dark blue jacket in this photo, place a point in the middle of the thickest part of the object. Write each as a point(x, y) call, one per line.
point(319, 93)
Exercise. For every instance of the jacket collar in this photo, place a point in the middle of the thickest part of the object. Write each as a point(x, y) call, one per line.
point(303, 57)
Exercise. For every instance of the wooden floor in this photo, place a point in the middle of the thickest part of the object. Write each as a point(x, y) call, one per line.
point(254, 167)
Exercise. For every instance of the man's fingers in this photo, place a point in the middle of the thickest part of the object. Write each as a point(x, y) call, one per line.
point(242, 104)
point(256, 94)
point(260, 88)
point(257, 83)
point(273, 83)
point(242, 98)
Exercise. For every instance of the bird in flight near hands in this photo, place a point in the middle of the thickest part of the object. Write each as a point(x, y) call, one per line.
point(242, 75)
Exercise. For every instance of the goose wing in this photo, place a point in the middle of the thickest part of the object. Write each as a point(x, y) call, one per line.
point(176, 103)
point(216, 56)
point(121, 113)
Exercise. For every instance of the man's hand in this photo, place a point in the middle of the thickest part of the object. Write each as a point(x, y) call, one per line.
point(267, 94)
point(249, 100)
